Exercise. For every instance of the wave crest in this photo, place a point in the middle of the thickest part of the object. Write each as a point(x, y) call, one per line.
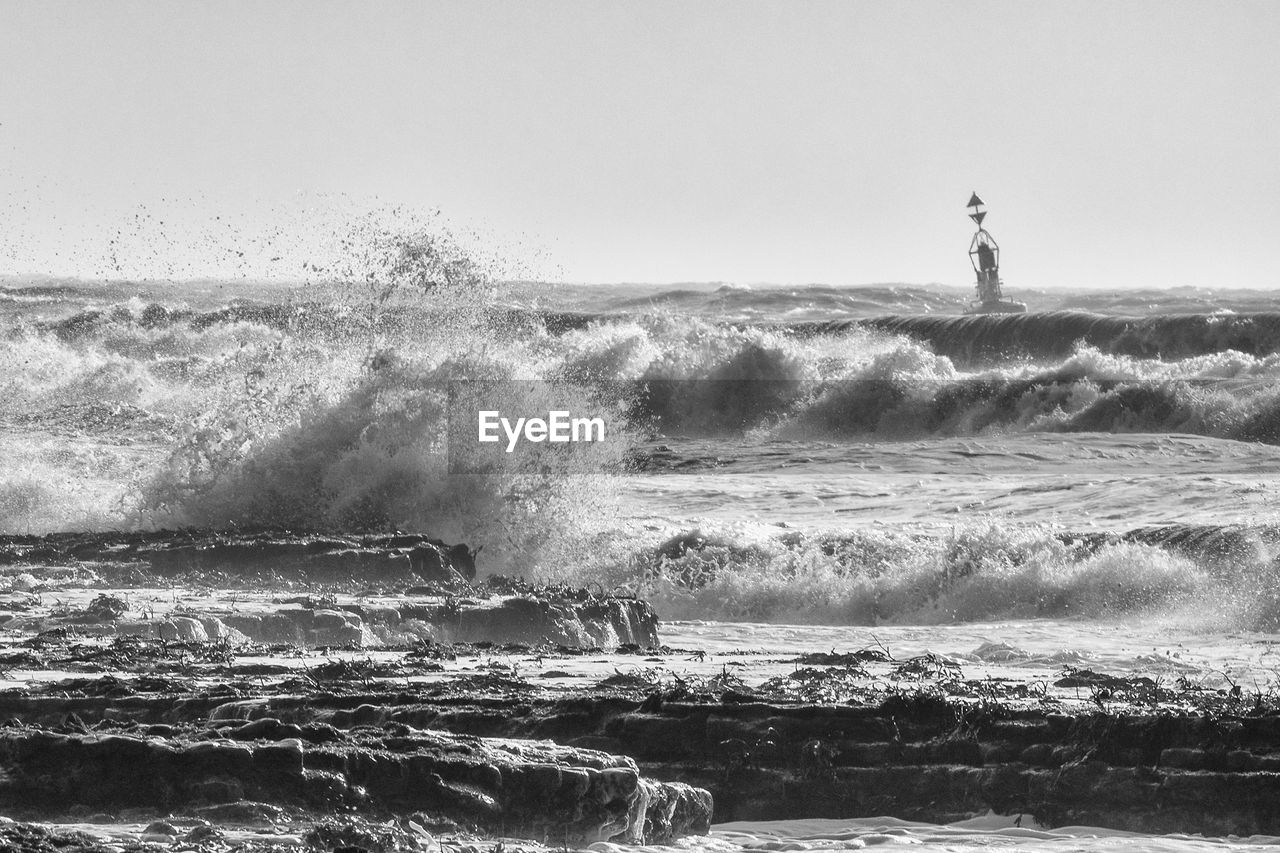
point(983, 338)
point(979, 572)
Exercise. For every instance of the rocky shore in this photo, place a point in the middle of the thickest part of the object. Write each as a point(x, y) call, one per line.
point(224, 685)
point(524, 789)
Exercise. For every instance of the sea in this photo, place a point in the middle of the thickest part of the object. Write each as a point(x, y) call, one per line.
point(787, 468)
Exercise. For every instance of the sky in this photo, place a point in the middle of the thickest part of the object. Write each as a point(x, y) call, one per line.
point(1117, 144)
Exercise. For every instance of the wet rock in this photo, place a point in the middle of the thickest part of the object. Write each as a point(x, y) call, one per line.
point(463, 560)
point(263, 728)
point(160, 831)
point(168, 552)
point(342, 740)
point(283, 756)
point(241, 813)
point(917, 759)
point(328, 620)
point(353, 833)
point(528, 619)
point(202, 833)
point(448, 608)
point(219, 631)
point(451, 567)
point(106, 608)
point(217, 790)
point(25, 838)
point(182, 629)
point(532, 789)
point(266, 627)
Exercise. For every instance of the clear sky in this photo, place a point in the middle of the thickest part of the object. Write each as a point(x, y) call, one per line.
point(1117, 144)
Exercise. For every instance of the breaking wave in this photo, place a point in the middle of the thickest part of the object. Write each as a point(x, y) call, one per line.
point(1200, 577)
point(696, 378)
point(325, 406)
point(338, 390)
point(327, 411)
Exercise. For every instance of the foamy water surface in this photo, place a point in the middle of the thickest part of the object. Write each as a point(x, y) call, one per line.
point(847, 475)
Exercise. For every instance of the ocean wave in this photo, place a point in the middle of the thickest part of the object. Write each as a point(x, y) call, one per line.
point(322, 410)
point(906, 409)
point(370, 452)
point(987, 338)
point(982, 571)
point(694, 378)
point(818, 303)
point(679, 375)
